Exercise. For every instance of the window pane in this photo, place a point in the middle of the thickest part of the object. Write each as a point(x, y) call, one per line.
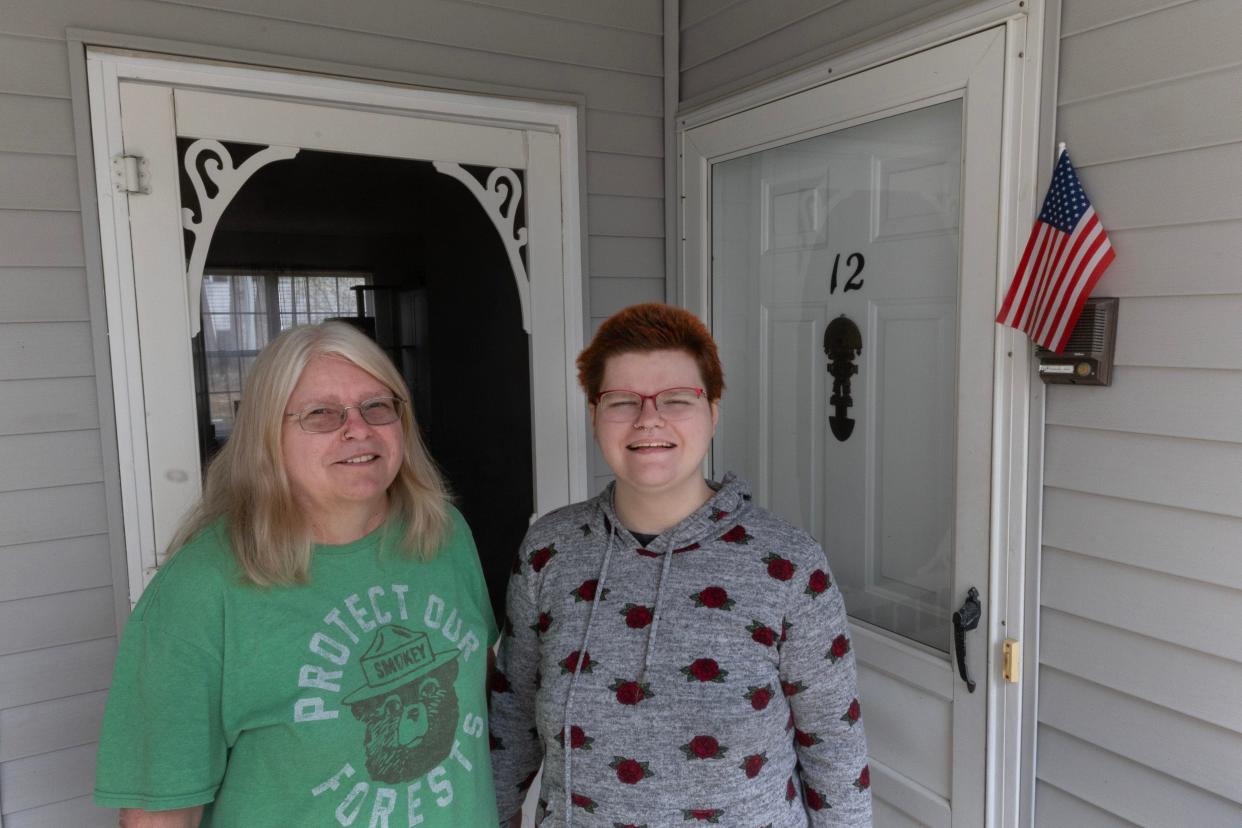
point(856, 446)
point(301, 299)
point(246, 363)
point(222, 373)
point(237, 325)
point(345, 296)
point(222, 411)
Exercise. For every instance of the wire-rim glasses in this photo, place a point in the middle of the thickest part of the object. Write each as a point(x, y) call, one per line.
point(322, 418)
point(620, 405)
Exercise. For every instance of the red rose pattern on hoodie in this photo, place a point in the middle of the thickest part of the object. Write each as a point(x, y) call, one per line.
point(735, 715)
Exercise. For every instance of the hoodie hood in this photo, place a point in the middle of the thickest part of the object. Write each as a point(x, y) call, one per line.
point(730, 499)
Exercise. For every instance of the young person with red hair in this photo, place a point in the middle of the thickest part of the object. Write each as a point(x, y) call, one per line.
point(672, 652)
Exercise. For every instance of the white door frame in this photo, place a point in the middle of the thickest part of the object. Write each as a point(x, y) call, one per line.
point(107, 69)
point(1015, 481)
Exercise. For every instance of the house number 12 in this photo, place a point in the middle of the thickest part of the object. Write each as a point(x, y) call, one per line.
point(854, 260)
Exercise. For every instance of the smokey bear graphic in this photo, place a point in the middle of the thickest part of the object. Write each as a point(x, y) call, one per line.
point(408, 704)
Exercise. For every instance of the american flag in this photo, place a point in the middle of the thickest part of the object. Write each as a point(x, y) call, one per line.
point(1067, 253)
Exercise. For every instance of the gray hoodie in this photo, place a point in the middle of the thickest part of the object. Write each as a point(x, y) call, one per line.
point(707, 678)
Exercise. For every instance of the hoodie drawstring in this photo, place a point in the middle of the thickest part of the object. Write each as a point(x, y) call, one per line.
point(573, 681)
point(655, 611)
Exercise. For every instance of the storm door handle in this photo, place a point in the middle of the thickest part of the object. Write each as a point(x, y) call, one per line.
point(964, 620)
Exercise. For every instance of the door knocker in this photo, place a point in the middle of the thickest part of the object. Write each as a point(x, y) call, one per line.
point(842, 344)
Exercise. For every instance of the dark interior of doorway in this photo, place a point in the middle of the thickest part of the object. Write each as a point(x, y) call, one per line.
point(441, 299)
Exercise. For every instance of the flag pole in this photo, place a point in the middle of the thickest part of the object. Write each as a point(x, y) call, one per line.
point(1060, 149)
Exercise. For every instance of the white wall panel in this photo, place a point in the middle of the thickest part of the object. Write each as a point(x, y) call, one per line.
point(1181, 188)
point(43, 405)
point(56, 673)
point(626, 258)
point(1164, 539)
point(696, 11)
point(626, 216)
point(1126, 788)
point(1139, 484)
point(49, 567)
point(31, 461)
point(1190, 474)
point(735, 26)
point(1165, 740)
point(753, 40)
point(1078, 17)
point(46, 726)
point(1179, 40)
point(51, 777)
point(79, 812)
point(603, 87)
point(33, 238)
point(635, 15)
point(611, 295)
point(46, 514)
point(1122, 661)
point(34, 66)
point(1180, 611)
point(30, 181)
point(52, 620)
point(41, 350)
point(1182, 332)
point(625, 175)
point(1172, 402)
point(464, 26)
point(625, 134)
point(1182, 260)
point(1155, 120)
point(1055, 808)
point(30, 124)
point(43, 294)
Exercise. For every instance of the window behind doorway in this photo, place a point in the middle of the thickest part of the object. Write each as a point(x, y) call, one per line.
point(243, 310)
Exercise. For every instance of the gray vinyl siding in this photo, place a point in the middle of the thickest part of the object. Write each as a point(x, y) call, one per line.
point(728, 45)
point(57, 613)
point(1140, 716)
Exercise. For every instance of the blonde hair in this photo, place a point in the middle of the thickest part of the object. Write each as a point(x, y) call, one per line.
point(247, 484)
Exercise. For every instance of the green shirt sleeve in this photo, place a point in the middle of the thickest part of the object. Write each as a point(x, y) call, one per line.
point(162, 745)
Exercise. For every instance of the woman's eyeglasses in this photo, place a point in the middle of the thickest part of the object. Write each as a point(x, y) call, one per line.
point(621, 406)
point(321, 418)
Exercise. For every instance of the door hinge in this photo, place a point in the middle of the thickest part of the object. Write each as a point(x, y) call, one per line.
point(1011, 660)
point(131, 174)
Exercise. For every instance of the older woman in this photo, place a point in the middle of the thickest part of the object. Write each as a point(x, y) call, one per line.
point(315, 651)
point(673, 653)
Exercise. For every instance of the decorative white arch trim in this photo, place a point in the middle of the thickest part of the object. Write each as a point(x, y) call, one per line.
point(227, 180)
point(500, 200)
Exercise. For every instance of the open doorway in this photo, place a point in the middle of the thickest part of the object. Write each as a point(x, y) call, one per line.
point(409, 256)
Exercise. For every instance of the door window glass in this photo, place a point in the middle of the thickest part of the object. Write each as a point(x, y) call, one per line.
point(853, 439)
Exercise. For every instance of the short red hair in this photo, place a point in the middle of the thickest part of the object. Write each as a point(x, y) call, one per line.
point(652, 326)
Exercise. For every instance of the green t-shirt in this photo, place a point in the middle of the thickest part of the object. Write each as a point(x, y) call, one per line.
point(356, 699)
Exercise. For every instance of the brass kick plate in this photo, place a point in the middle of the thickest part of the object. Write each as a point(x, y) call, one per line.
point(1011, 659)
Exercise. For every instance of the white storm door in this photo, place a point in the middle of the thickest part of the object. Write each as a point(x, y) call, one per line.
point(154, 291)
point(844, 244)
